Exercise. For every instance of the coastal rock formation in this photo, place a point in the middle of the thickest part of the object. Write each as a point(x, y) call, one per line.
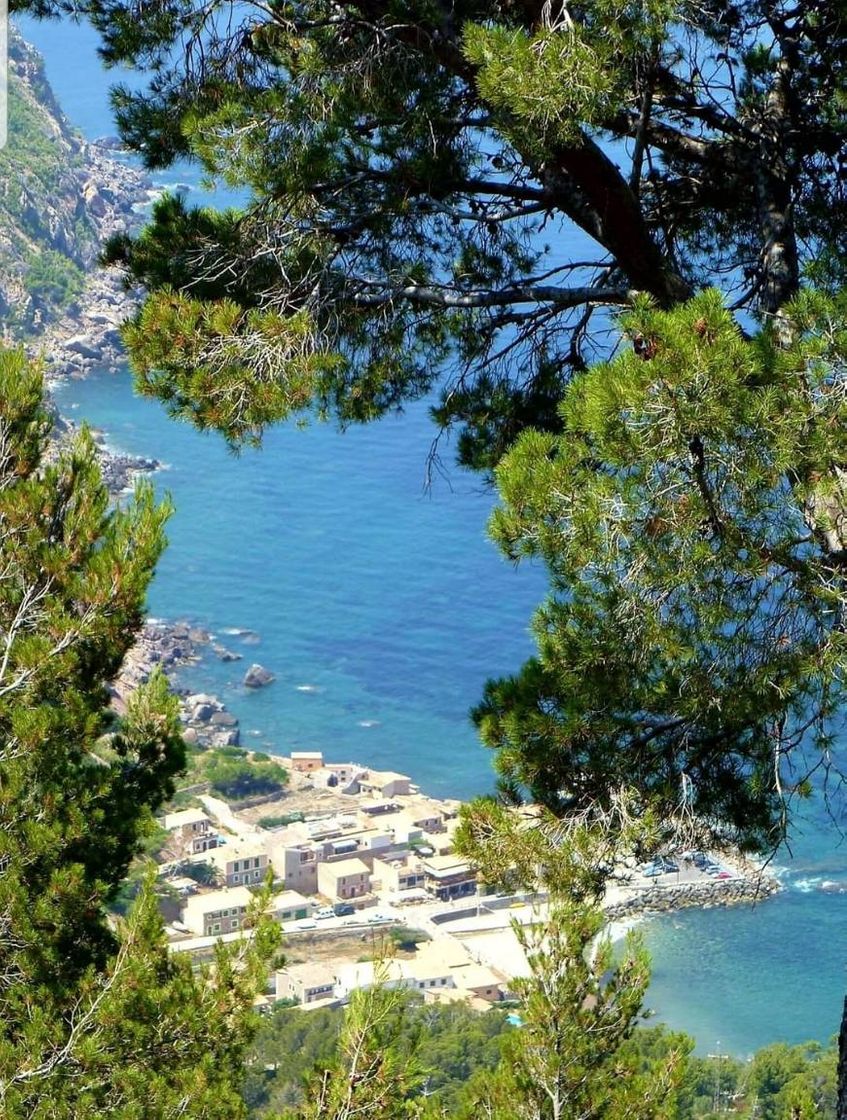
point(205, 719)
point(62, 198)
point(257, 676)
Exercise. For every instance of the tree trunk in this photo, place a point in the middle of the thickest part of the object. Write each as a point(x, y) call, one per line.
point(841, 1102)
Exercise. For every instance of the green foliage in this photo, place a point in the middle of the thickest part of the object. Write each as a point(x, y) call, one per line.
point(787, 1078)
point(376, 1071)
point(240, 777)
point(405, 938)
point(451, 1044)
point(684, 516)
point(578, 1008)
point(280, 820)
point(203, 873)
point(46, 233)
point(97, 1019)
point(52, 279)
point(548, 83)
point(407, 179)
point(200, 358)
point(461, 1053)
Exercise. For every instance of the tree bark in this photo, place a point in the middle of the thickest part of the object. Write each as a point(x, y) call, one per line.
point(841, 1100)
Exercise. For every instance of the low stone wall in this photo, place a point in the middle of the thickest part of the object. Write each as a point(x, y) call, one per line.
point(722, 892)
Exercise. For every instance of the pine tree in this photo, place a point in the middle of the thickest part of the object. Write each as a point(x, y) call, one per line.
point(95, 1018)
point(692, 644)
point(415, 167)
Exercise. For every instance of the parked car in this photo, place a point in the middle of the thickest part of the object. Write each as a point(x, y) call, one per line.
point(324, 912)
point(307, 923)
point(377, 919)
point(342, 909)
point(659, 866)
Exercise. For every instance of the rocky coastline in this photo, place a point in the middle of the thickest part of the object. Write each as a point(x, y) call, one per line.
point(86, 336)
point(65, 197)
point(206, 720)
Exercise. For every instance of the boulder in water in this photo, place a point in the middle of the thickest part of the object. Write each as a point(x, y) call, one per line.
point(257, 676)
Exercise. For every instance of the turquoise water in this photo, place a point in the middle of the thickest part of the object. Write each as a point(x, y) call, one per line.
point(382, 610)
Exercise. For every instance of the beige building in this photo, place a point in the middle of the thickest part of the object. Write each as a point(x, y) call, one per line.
point(191, 832)
point(401, 874)
point(440, 969)
point(385, 783)
point(448, 877)
point(304, 762)
point(348, 878)
point(216, 912)
point(288, 906)
point(424, 813)
point(297, 866)
point(305, 982)
point(240, 863)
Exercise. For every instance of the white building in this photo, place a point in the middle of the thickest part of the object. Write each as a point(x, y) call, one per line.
point(439, 967)
point(288, 906)
point(307, 983)
point(191, 831)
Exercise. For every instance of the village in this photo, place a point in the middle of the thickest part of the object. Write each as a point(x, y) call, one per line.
point(364, 862)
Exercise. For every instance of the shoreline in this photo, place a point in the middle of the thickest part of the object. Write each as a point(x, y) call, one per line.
point(208, 723)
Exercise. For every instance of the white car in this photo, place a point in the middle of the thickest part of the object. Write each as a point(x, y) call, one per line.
point(307, 923)
point(324, 912)
point(378, 919)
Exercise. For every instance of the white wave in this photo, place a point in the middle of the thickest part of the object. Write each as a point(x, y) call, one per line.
point(780, 872)
point(618, 930)
point(369, 723)
point(806, 886)
point(833, 886)
point(308, 688)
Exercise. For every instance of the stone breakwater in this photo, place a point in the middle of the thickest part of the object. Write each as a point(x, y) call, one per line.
point(720, 892)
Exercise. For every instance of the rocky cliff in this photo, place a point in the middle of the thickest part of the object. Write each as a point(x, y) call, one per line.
point(60, 197)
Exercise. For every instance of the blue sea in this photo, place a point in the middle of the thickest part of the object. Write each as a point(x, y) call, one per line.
point(381, 607)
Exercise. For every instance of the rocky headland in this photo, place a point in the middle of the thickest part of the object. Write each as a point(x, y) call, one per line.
point(61, 198)
point(206, 721)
